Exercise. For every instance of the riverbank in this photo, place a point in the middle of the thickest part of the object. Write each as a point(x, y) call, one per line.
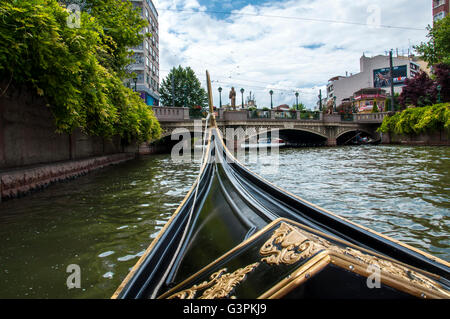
point(429, 126)
point(18, 182)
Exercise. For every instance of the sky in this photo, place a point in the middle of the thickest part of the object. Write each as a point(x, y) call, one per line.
point(285, 45)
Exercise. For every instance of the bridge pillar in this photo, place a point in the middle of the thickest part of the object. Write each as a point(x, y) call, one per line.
point(331, 142)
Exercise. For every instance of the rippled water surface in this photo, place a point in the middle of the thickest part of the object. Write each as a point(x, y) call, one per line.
point(104, 221)
point(400, 191)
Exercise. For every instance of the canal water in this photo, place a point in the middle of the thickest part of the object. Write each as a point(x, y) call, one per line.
point(104, 221)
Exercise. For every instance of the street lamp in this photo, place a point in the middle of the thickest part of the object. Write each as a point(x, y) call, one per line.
point(184, 94)
point(135, 83)
point(242, 92)
point(271, 101)
point(220, 93)
point(334, 104)
point(439, 88)
point(296, 97)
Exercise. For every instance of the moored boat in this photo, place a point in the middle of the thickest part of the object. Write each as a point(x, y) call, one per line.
point(265, 143)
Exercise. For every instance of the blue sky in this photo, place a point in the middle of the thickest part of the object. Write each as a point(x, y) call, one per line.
point(286, 46)
point(230, 5)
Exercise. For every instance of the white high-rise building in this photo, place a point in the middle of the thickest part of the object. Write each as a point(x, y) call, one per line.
point(147, 56)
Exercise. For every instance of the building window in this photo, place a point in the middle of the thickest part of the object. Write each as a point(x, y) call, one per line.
point(439, 16)
point(437, 3)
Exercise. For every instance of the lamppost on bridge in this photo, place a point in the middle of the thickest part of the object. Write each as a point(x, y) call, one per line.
point(242, 92)
point(220, 96)
point(271, 101)
point(135, 79)
point(296, 98)
point(439, 88)
point(185, 94)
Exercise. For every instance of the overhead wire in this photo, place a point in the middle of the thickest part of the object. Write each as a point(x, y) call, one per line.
point(235, 13)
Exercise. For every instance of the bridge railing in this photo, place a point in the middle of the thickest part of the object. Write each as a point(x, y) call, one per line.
point(259, 114)
point(370, 117)
point(244, 115)
point(168, 114)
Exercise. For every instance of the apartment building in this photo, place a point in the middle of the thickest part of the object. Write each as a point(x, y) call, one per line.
point(147, 56)
point(440, 9)
point(374, 73)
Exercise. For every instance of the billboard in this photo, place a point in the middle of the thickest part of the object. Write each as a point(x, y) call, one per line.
point(381, 77)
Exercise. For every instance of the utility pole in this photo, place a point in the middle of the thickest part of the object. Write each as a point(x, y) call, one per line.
point(391, 65)
point(173, 91)
point(320, 100)
point(271, 101)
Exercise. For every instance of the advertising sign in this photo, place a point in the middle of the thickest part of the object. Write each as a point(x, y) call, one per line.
point(381, 77)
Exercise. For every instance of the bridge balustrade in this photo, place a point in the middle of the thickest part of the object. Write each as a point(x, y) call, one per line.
point(167, 114)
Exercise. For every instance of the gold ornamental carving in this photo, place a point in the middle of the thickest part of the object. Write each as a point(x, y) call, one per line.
point(220, 285)
point(289, 244)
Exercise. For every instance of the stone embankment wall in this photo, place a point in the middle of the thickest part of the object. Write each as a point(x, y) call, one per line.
point(16, 183)
point(438, 138)
point(32, 154)
point(28, 137)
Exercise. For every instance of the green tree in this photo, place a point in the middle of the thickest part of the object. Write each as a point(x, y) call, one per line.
point(122, 26)
point(375, 107)
point(301, 106)
point(186, 87)
point(437, 49)
point(77, 71)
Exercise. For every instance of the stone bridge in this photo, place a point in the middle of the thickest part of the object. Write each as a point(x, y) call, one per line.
point(330, 128)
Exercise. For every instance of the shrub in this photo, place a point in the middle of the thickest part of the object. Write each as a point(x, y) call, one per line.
point(78, 71)
point(418, 120)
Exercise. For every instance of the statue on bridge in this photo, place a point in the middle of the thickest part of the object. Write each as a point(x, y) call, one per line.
point(232, 97)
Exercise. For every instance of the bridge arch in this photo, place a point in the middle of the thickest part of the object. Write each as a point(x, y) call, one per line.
point(354, 130)
point(293, 136)
point(345, 136)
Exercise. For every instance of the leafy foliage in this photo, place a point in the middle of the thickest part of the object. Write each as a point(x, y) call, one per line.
point(76, 70)
point(422, 90)
point(437, 49)
point(375, 107)
point(186, 87)
point(418, 120)
point(300, 107)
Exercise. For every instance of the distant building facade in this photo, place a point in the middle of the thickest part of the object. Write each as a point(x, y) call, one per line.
point(374, 73)
point(440, 9)
point(365, 99)
point(147, 56)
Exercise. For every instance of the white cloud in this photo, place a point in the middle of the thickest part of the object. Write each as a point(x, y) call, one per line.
point(263, 52)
